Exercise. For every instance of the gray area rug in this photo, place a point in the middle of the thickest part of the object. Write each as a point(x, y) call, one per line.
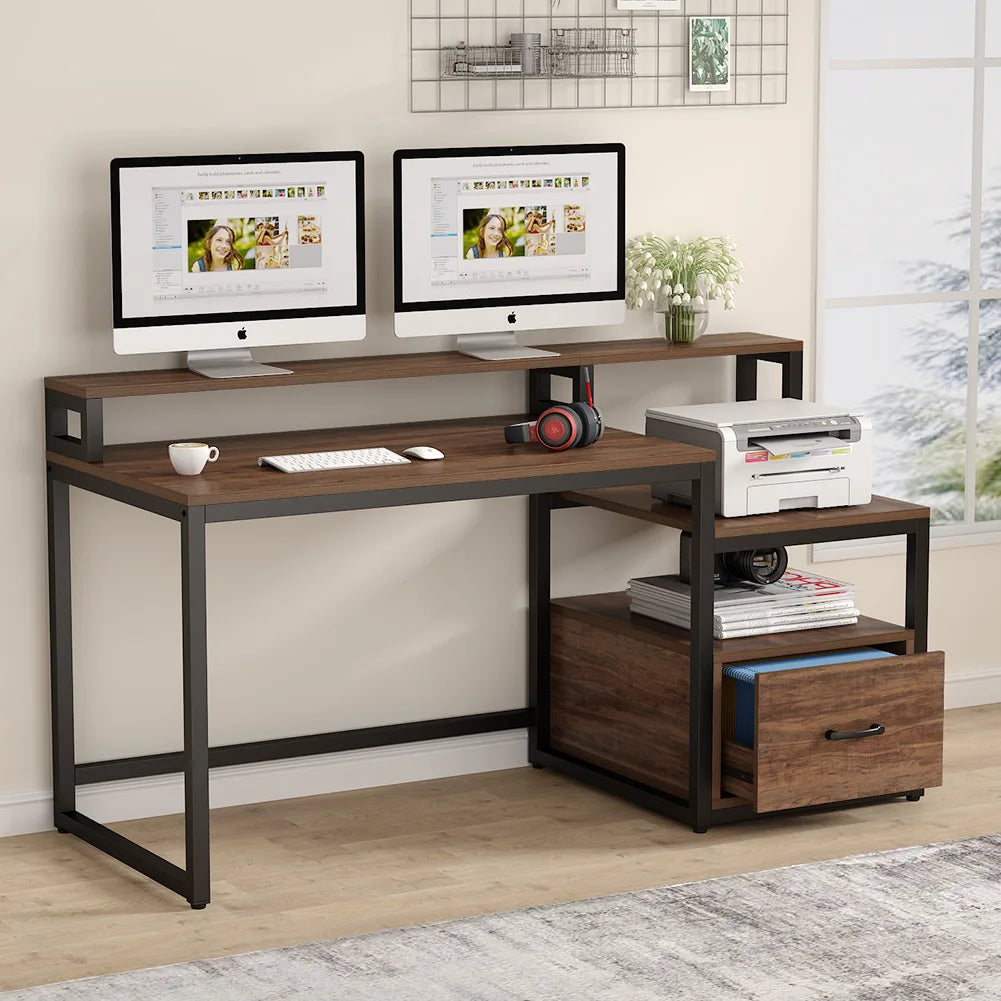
point(921, 924)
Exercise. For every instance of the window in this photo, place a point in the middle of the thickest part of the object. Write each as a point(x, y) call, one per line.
point(909, 262)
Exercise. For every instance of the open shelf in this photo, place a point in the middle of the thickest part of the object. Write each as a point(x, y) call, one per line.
point(158, 382)
point(611, 612)
point(795, 527)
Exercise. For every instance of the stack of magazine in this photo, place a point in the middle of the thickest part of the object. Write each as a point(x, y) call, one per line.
point(798, 600)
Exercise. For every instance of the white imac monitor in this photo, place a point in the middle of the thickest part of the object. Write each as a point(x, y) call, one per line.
point(215, 255)
point(495, 240)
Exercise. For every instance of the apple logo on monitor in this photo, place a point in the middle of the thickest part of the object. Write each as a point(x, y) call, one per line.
point(512, 317)
point(242, 333)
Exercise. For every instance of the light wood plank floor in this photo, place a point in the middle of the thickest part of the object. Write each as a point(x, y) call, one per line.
point(302, 870)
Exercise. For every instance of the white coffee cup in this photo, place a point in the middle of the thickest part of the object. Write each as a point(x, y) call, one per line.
point(189, 457)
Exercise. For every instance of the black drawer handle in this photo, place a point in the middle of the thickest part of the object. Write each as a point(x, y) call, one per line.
point(874, 731)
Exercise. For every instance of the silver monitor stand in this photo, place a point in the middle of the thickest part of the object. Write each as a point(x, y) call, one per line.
point(498, 347)
point(230, 363)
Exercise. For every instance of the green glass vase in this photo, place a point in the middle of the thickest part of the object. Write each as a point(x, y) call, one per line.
point(684, 322)
point(680, 324)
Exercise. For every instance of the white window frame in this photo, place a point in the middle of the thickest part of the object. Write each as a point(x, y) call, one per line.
point(970, 532)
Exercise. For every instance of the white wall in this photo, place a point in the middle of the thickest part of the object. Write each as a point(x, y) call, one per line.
point(332, 621)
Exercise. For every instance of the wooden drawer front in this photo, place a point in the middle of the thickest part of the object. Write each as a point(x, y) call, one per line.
point(795, 764)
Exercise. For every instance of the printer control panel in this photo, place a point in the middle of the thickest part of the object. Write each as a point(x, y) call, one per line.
point(749, 437)
point(794, 427)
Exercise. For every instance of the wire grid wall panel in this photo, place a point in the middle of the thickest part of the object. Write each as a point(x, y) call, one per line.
point(589, 54)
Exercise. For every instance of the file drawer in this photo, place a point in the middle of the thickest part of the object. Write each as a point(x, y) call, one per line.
point(840, 732)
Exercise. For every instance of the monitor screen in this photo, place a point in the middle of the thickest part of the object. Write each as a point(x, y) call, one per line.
point(207, 240)
point(509, 226)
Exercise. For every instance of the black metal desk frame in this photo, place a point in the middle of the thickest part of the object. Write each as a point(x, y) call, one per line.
point(197, 757)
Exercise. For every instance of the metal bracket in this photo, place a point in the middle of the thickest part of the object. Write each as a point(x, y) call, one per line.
point(89, 446)
point(792, 374)
point(540, 386)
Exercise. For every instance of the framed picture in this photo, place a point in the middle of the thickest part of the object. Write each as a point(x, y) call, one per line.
point(667, 5)
point(709, 53)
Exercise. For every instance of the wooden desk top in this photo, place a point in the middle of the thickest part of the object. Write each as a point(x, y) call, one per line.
point(158, 382)
point(476, 456)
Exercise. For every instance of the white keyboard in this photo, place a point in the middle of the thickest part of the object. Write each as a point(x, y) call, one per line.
point(349, 458)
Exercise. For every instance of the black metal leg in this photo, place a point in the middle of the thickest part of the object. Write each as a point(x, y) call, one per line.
point(89, 447)
point(539, 390)
point(792, 375)
point(61, 649)
point(747, 377)
point(540, 386)
point(196, 714)
point(539, 560)
point(916, 601)
point(701, 684)
point(913, 797)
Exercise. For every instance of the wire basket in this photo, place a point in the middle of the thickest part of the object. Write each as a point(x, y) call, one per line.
point(591, 52)
point(576, 63)
point(594, 39)
point(481, 61)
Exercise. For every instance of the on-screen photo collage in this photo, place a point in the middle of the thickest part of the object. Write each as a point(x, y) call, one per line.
point(244, 243)
point(521, 228)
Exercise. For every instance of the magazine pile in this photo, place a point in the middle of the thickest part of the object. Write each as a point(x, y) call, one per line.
point(798, 600)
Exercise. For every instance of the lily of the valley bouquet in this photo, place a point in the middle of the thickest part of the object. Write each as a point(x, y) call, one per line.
point(680, 277)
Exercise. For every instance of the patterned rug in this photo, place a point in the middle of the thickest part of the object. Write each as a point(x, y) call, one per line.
point(921, 924)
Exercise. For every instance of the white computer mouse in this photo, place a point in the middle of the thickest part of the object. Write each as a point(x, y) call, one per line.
point(422, 452)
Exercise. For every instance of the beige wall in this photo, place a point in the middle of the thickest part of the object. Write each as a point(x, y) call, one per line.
point(333, 620)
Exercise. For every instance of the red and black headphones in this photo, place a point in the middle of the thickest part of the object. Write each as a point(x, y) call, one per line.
point(562, 426)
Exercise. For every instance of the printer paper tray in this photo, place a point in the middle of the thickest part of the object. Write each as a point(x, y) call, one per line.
point(800, 444)
point(784, 496)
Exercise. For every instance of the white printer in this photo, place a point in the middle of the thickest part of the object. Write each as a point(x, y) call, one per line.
point(773, 455)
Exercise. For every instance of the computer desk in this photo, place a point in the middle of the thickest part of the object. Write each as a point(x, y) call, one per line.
point(478, 464)
point(591, 712)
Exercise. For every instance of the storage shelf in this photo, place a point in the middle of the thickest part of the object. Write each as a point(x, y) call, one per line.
point(611, 612)
point(157, 382)
point(880, 517)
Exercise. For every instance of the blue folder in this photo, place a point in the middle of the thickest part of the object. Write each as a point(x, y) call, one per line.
point(742, 707)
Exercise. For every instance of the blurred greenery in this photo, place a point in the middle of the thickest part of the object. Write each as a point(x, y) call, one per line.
point(710, 55)
point(514, 217)
point(242, 227)
point(931, 424)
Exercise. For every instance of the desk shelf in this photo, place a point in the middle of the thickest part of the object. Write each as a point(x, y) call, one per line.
point(788, 528)
point(318, 371)
point(85, 394)
point(610, 612)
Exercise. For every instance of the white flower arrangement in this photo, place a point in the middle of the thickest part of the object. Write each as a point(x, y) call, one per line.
point(678, 272)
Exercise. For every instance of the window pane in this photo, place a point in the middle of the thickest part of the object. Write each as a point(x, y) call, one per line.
point(897, 168)
point(901, 29)
point(988, 504)
point(994, 27)
point(906, 367)
point(990, 225)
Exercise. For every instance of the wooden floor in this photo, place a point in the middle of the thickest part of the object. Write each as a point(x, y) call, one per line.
point(301, 870)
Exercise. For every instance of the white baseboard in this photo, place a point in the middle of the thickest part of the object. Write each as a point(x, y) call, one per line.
point(130, 799)
point(977, 688)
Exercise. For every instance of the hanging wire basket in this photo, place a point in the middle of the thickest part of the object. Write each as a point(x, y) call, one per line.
point(573, 52)
point(483, 61)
